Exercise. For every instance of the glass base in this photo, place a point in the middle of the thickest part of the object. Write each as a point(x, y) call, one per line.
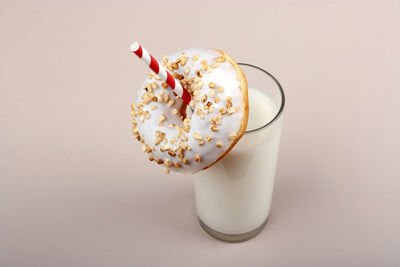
point(230, 237)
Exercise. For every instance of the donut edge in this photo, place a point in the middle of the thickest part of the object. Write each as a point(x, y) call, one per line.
point(243, 88)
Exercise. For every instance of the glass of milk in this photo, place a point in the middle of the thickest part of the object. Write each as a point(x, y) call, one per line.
point(233, 197)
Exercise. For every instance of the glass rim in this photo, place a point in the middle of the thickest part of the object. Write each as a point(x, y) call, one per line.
point(282, 93)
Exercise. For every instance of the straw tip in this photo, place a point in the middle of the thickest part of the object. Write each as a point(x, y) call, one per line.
point(135, 46)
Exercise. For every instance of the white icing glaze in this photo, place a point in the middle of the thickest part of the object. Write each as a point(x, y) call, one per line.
point(223, 75)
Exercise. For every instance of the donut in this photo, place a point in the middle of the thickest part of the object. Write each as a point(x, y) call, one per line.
point(189, 138)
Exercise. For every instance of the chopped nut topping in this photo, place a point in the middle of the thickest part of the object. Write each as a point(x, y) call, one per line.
point(148, 148)
point(165, 60)
point(148, 87)
point(177, 164)
point(218, 144)
point(166, 170)
point(164, 85)
point(217, 99)
point(164, 148)
point(197, 158)
point(199, 73)
point(175, 111)
point(171, 153)
point(231, 110)
point(197, 136)
point(220, 89)
point(147, 115)
point(167, 163)
point(133, 106)
point(160, 96)
point(186, 128)
point(222, 111)
point(177, 76)
point(204, 99)
point(215, 121)
point(171, 102)
point(195, 58)
point(201, 142)
point(208, 138)
point(166, 98)
point(153, 107)
point(187, 71)
point(232, 136)
point(185, 161)
point(162, 135)
point(146, 98)
point(214, 65)
point(211, 85)
point(162, 118)
point(220, 59)
point(168, 65)
point(150, 75)
point(183, 61)
point(158, 78)
point(155, 85)
point(200, 84)
point(209, 69)
point(204, 64)
point(214, 128)
point(174, 65)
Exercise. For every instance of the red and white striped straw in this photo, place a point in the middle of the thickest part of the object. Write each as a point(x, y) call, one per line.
point(161, 71)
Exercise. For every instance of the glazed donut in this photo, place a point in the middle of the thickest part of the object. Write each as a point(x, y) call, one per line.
point(189, 138)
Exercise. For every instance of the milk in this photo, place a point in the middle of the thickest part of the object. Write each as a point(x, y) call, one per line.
point(234, 195)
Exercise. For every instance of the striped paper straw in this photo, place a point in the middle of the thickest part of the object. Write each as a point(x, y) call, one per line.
point(161, 71)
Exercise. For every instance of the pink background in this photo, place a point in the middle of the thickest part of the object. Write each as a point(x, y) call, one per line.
point(76, 190)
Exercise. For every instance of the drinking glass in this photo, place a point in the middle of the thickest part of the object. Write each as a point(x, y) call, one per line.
point(233, 197)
